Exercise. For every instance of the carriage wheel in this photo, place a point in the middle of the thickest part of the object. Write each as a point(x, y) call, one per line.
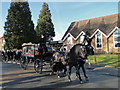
point(38, 66)
point(3, 59)
point(23, 62)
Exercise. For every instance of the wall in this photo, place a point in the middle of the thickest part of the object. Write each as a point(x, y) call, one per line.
point(106, 47)
point(65, 42)
point(73, 41)
point(104, 42)
point(111, 45)
point(78, 40)
point(2, 43)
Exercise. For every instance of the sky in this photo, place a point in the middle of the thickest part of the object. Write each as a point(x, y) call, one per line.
point(63, 13)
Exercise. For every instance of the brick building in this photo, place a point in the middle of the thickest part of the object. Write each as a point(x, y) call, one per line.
point(2, 42)
point(104, 31)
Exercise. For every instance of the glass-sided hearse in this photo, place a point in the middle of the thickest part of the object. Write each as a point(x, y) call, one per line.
point(30, 54)
point(29, 51)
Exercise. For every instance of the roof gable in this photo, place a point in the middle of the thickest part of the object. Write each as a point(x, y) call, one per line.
point(68, 30)
point(105, 24)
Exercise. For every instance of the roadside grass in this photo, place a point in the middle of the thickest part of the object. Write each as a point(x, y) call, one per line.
point(106, 59)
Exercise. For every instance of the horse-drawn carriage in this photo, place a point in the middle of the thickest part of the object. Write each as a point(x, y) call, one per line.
point(40, 54)
point(31, 53)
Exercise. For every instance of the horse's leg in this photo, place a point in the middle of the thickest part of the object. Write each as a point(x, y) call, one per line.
point(52, 72)
point(84, 72)
point(65, 69)
point(78, 73)
point(52, 68)
point(58, 74)
point(69, 73)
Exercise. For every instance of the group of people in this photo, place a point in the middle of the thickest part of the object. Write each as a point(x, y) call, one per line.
point(9, 55)
point(60, 54)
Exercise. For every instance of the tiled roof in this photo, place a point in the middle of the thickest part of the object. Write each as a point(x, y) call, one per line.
point(1, 37)
point(105, 23)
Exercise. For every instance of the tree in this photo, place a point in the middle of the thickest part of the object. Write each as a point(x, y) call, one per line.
point(19, 27)
point(45, 26)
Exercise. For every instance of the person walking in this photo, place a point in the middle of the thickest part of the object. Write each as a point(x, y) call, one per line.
point(8, 55)
point(14, 55)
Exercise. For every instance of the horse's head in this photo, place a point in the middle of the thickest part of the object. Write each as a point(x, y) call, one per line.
point(85, 51)
point(87, 42)
point(89, 49)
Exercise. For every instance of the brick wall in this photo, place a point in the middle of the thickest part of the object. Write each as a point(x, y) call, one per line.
point(106, 47)
point(78, 40)
point(111, 45)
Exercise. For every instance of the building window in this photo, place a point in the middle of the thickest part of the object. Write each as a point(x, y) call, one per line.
point(69, 41)
point(98, 40)
point(116, 38)
point(82, 38)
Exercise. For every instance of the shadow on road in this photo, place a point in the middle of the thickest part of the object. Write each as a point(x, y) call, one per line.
point(30, 79)
point(24, 78)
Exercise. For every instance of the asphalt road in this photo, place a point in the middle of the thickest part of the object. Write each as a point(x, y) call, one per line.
point(15, 77)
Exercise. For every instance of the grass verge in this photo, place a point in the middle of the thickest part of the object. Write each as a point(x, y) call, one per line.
point(106, 59)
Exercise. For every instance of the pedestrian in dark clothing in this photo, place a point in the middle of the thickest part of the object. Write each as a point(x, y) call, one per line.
point(11, 54)
point(19, 54)
point(3, 55)
point(8, 55)
point(14, 55)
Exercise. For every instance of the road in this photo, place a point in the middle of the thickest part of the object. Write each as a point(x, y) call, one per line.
point(14, 77)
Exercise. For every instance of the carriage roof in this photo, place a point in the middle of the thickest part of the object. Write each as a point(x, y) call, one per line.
point(28, 44)
point(55, 43)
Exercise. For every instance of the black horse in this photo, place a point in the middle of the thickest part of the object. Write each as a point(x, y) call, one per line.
point(77, 56)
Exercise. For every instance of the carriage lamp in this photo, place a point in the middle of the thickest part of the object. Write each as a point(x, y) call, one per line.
point(37, 53)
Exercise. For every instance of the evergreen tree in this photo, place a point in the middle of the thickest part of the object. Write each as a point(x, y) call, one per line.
point(19, 27)
point(45, 26)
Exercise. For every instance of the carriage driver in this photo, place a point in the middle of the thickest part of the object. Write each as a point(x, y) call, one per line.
point(42, 46)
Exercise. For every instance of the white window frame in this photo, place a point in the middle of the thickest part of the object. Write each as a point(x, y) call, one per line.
point(81, 41)
point(69, 39)
point(96, 41)
point(114, 42)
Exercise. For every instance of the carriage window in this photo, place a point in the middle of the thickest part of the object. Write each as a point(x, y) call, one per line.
point(30, 49)
point(116, 38)
point(69, 41)
point(24, 50)
point(98, 40)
